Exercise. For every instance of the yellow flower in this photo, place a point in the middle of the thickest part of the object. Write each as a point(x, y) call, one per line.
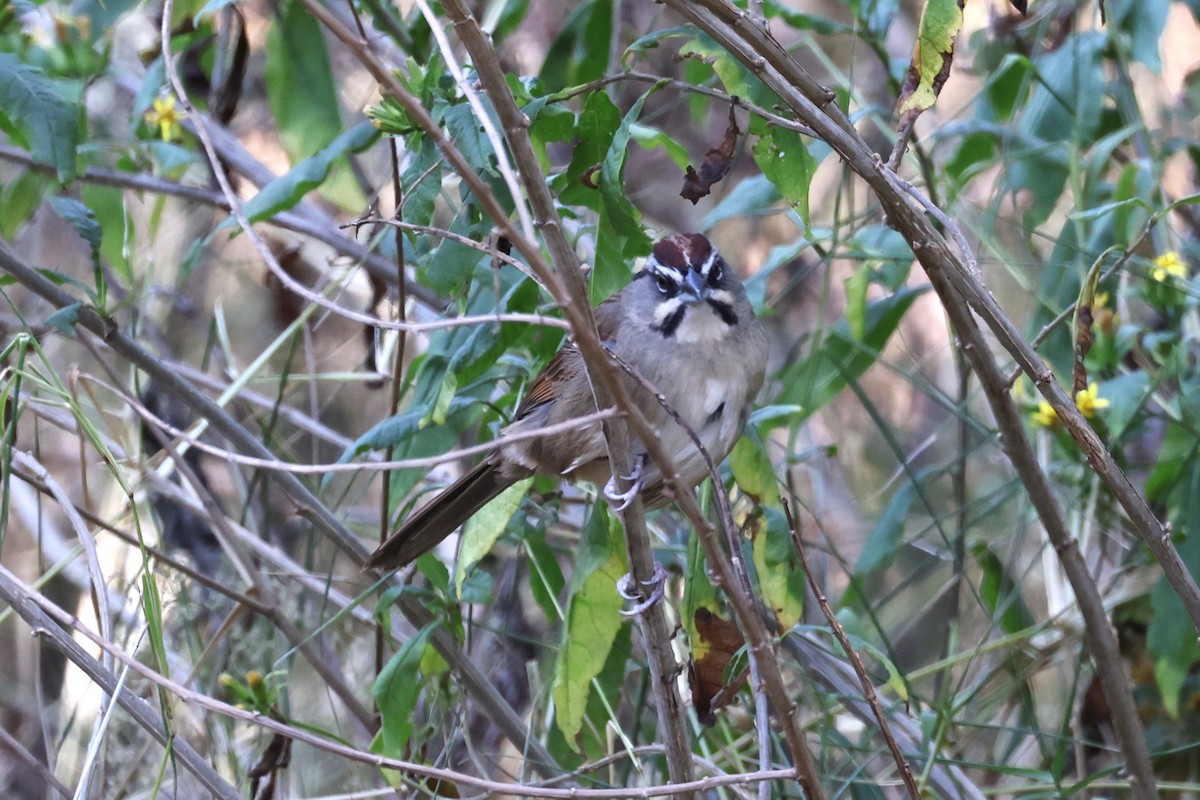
point(1089, 401)
point(1045, 416)
point(1169, 264)
point(166, 117)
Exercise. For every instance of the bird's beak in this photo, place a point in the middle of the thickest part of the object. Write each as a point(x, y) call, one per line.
point(695, 287)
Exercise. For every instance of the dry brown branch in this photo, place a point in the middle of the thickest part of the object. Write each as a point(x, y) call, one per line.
point(956, 283)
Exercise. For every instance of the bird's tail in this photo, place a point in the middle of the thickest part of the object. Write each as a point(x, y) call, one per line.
point(439, 518)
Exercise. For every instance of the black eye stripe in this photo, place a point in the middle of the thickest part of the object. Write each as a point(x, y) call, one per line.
point(668, 326)
point(724, 311)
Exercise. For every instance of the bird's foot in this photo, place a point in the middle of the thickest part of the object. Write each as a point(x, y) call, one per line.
point(627, 587)
point(621, 500)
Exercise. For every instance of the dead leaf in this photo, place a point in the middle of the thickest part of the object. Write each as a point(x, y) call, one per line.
point(932, 55)
point(718, 160)
point(719, 641)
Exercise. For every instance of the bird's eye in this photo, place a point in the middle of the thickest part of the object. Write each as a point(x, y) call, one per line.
point(716, 271)
point(664, 283)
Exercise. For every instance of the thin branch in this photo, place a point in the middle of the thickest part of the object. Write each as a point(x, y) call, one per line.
point(53, 622)
point(868, 688)
point(320, 469)
point(316, 512)
point(311, 224)
point(954, 282)
point(45, 619)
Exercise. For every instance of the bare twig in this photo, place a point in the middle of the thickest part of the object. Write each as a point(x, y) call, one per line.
point(868, 688)
point(311, 224)
point(45, 618)
point(173, 383)
point(954, 282)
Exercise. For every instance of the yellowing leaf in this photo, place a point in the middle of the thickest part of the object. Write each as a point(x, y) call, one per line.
point(780, 577)
point(932, 55)
point(753, 472)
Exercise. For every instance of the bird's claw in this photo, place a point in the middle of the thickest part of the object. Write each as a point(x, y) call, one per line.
point(628, 589)
point(621, 500)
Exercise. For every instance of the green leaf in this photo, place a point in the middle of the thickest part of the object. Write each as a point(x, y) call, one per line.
point(19, 200)
point(598, 122)
point(108, 205)
point(468, 135)
point(546, 580)
point(856, 301)
point(290, 188)
point(483, 529)
point(65, 318)
point(650, 138)
point(396, 691)
point(881, 545)
point(1001, 593)
point(1143, 22)
point(753, 472)
point(653, 39)
point(737, 79)
point(784, 158)
point(750, 197)
point(579, 53)
point(1170, 637)
point(593, 620)
point(805, 22)
point(300, 87)
point(619, 235)
point(83, 220)
point(49, 123)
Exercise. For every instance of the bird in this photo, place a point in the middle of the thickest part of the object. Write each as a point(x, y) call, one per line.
point(685, 325)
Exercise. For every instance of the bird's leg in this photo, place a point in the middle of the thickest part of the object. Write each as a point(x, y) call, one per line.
point(621, 500)
point(627, 588)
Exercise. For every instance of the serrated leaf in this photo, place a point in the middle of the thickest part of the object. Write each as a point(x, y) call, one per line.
point(933, 54)
point(65, 318)
point(593, 620)
point(45, 118)
point(483, 529)
point(290, 188)
point(468, 136)
point(83, 220)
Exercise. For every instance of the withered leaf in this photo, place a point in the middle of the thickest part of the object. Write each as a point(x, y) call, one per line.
point(933, 53)
point(718, 160)
point(719, 641)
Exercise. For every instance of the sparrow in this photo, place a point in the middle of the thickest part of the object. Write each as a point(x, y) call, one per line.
point(685, 325)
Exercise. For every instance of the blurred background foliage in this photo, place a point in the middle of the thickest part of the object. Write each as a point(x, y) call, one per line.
point(1065, 147)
